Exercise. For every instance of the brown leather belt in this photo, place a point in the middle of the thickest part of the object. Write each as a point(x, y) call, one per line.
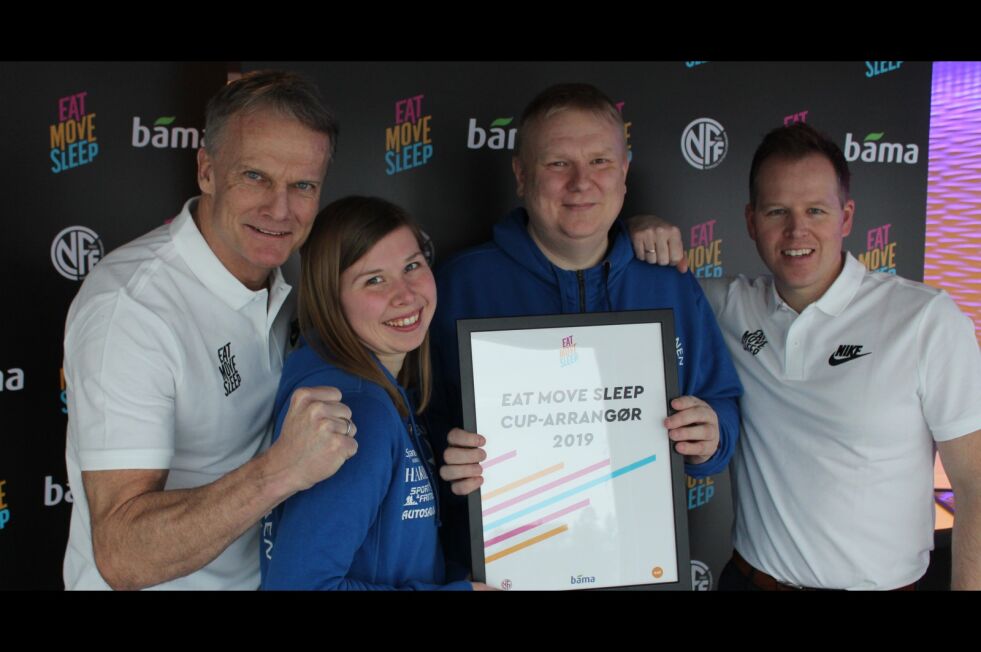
point(765, 582)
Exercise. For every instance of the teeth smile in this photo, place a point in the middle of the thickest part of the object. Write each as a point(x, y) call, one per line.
point(797, 252)
point(270, 232)
point(402, 323)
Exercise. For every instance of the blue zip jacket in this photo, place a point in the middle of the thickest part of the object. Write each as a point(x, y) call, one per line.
point(510, 276)
point(372, 525)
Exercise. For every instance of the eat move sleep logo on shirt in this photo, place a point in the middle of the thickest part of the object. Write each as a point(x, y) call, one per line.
point(226, 365)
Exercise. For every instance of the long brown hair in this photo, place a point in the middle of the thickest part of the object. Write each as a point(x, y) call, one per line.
point(343, 232)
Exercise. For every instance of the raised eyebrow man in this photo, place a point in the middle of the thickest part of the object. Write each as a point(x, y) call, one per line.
point(852, 379)
point(173, 351)
point(563, 252)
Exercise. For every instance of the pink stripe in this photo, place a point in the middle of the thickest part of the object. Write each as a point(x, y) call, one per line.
point(544, 519)
point(499, 458)
point(546, 487)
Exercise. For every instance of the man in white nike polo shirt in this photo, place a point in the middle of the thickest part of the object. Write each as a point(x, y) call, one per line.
point(851, 380)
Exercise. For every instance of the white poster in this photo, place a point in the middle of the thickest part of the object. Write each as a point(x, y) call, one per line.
point(577, 486)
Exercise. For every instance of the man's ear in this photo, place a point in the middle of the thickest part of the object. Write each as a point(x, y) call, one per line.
point(519, 174)
point(206, 172)
point(750, 225)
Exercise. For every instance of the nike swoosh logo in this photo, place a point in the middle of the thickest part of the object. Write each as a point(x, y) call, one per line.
point(834, 362)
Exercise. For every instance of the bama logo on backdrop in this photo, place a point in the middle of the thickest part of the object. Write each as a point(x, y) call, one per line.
point(72, 138)
point(55, 493)
point(11, 380)
point(163, 134)
point(500, 134)
point(408, 143)
point(875, 149)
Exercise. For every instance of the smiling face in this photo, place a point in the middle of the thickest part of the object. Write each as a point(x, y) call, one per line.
point(798, 224)
point(261, 192)
point(572, 176)
point(389, 296)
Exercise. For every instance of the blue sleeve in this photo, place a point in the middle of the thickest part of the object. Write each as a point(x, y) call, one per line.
point(319, 531)
point(710, 375)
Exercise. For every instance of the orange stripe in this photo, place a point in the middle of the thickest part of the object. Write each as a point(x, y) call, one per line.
point(521, 481)
point(524, 544)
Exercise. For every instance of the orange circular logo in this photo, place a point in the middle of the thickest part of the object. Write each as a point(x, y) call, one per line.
point(657, 572)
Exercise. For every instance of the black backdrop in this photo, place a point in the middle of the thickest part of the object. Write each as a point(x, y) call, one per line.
point(433, 137)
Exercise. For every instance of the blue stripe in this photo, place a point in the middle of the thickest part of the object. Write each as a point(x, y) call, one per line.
point(571, 492)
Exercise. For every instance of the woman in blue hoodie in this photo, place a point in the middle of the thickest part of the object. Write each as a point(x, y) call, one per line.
point(366, 299)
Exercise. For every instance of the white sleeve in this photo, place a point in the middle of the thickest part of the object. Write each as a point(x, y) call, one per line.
point(716, 290)
point(122, 367)
point(949, 370)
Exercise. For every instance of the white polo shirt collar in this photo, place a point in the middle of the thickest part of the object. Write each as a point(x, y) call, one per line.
point(204, 264)
point(837, 297)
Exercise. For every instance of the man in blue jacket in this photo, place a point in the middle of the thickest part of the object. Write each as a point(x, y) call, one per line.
point(565, 252)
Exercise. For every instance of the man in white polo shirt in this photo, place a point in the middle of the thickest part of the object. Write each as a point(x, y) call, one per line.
point(851, 379)
point(173, 351)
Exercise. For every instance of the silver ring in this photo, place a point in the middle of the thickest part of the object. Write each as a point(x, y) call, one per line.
point(350, 425)
point(650, 251)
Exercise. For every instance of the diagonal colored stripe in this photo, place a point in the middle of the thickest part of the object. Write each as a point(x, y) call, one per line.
point(546, 487)
point(499, 458)
point(524, 544)
point(544, 519)
point(583, 487)
point(521, 481)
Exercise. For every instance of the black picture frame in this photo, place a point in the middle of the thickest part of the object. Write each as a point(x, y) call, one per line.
point(665, 318)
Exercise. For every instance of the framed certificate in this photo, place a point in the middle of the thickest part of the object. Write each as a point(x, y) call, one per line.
point(582, 488)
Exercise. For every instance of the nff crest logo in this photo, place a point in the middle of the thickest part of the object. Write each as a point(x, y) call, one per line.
point(704, 143)
point(701, 576)
point(75, 251)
